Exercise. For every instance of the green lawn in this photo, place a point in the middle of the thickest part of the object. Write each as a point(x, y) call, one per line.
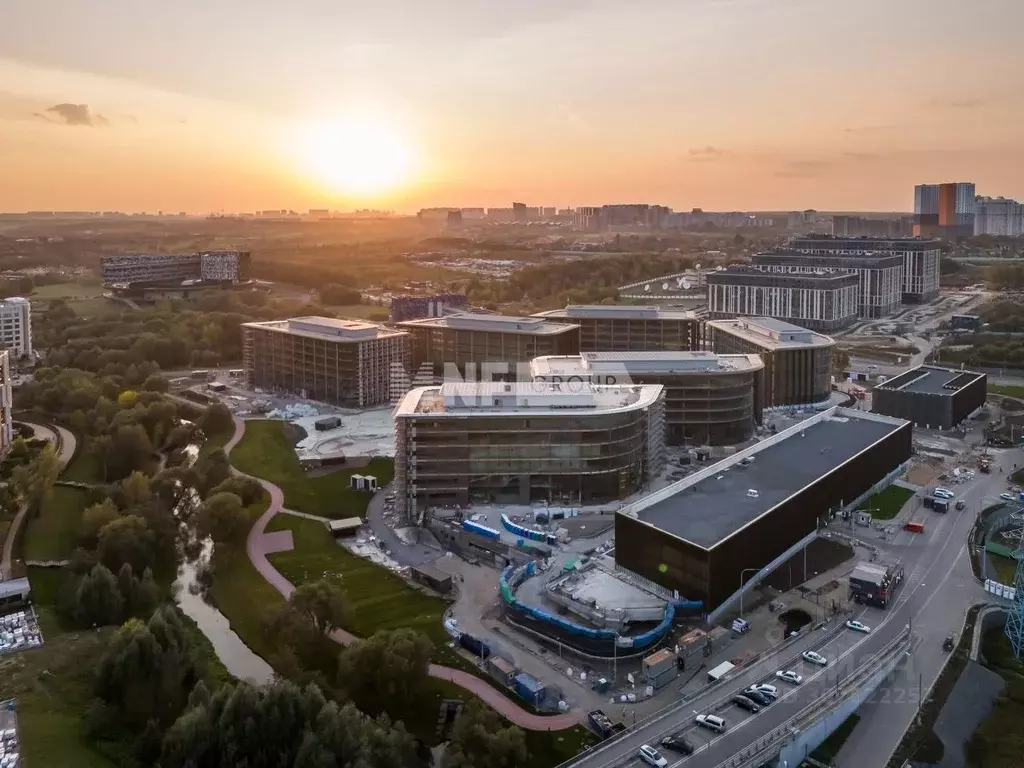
point(1010, 390)
point(86, 299)
point(83, 467)
point(266, 452)
point(380, 599)
point(51, 535)
point(887, 503)
point(213, 442)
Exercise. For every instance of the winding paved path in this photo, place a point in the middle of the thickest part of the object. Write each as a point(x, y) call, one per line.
point(258, 545)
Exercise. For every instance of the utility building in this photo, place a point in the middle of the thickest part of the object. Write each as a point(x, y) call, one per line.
point(931, 397)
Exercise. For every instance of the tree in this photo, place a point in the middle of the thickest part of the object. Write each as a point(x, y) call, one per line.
point(386, 672)
point(101, 447)
point(127, 539)
point(97, 601)
point(136, 490)
point(304, 625)
point(149, 670)
point(213, 470)
point(245, 488)
point(339, 295)
point(131, 449)
point(156, 383)
point(216, 419)
point(223, 519)
point(34, 481)
point(281, 724)
point(94, 519)
point(481, 737)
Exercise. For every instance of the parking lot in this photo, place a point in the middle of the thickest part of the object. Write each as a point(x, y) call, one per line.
point(10, 756)
point(19, 631)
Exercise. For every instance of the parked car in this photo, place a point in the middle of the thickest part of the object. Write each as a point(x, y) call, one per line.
point(651, 756)
point(748, 704)
point(856, 626)
point(677, 743)
point(789, 676)
point(943, 493)
point(765, 690)
point(1006, 496)
point(758, 697)
point(815, 658)
point(711, 722)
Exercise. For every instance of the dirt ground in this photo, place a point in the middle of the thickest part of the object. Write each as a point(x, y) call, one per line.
point(923, 474)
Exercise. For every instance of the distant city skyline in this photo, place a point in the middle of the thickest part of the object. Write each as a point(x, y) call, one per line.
point(720, 104)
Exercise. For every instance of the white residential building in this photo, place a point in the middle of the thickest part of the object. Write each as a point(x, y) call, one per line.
point(6, 404)
point(999, 216)
point(16, 326)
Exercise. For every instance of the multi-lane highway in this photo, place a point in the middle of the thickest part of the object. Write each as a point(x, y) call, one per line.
point(929, 559)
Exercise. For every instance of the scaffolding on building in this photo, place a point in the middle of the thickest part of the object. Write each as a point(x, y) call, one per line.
point(1015, 618)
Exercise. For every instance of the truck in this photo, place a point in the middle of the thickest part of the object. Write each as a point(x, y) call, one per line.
point(603, 725)
point(941, 505)
point(721, 671)
point(875, 583)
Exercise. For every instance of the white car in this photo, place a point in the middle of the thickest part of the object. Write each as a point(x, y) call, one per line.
point(815, 658)
point(856, 626)
point(1006, 496)
point(711, 722)
point(943, 493)
point(651, 756)
point(765, 690)
point(789, 676)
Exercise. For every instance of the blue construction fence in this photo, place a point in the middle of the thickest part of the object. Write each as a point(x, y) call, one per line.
point(513, 576)
point(529, 533)
point(480, 530)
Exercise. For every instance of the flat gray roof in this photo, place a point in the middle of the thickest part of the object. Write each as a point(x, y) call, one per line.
point(771, 333)
point(713, 504)
point(618, 312)
point(931, 380)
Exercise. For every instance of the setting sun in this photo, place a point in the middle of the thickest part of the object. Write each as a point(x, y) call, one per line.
point(357, 156)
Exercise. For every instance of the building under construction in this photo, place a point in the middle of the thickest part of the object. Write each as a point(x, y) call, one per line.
point(474, 346)
point(710, 399)
point(464, 443)
point(343, 362)
point(606, 328)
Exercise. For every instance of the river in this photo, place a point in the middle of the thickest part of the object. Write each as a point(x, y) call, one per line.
point(236, 656)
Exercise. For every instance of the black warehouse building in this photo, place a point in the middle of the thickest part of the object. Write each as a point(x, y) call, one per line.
point(739, 515)
point(931, 397)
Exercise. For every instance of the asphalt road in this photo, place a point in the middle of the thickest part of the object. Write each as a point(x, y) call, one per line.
point(934, 563)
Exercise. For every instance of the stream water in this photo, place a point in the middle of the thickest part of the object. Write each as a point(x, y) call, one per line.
point(235, 655)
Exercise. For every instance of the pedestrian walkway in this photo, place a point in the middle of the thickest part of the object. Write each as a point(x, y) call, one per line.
point(258, 545)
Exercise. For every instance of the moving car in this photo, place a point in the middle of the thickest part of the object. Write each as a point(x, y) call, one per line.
point(743, 702)
point(765, 690)
point(948, 644)
point(711, 722)
point(651, 756)
point(856, 626)
point(789, 676)
point(1006, 496)
point(815, 658)
point(677, 743)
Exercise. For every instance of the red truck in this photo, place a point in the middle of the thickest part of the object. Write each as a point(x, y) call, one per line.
point(914, 527)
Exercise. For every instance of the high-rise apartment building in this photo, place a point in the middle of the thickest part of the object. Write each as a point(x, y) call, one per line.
point(921, 257)
point(343, 362)
point(465, 443)
point(819, 301)
point(475, 346)
point(797, 362)
point(6, 404)
point(944, 210)
point(16, 326)
point(624, 327)
point(880, 275)
point(999, 216)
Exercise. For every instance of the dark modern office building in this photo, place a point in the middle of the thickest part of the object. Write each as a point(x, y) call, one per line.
point(921, 256)
point(702, 535)
point(797, 362)
point(625, 327)
point(818, 301)
point(931, 397)
point(881, 275)
point(479, 347)
point(709, 399)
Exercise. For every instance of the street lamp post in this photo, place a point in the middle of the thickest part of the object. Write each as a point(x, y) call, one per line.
point(742, 573)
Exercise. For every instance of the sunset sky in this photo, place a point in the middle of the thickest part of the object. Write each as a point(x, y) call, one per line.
point(206, 105)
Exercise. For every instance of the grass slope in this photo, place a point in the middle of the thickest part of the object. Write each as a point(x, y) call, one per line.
point(887, 503)
point(51, 535)
point(266, 452)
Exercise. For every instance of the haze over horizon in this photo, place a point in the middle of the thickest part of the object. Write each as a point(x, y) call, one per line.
point(720, 104)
